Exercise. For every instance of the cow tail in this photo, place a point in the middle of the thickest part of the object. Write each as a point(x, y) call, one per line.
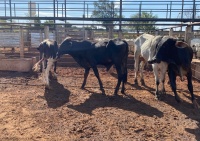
point(125, 76)
point(36, 67)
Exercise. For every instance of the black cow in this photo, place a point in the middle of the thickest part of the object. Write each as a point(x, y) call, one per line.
point(48, 50)
point(89, 55)
point(179, 56)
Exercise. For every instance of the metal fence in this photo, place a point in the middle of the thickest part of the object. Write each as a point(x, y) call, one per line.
point(196, 70)
point(62, 11)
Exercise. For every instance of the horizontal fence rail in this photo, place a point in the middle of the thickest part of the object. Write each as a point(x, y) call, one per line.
point(63, 11)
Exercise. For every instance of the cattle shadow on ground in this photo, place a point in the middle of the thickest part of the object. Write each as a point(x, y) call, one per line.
point(187, 109)
point(57, 96)
point(128, 103)
point(196, 131)
point(137, 86)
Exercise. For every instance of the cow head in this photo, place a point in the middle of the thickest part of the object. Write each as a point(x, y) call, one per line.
point(165, 51)
point(43, 48)
point(65, 47)
point(153, 46)
point(47, 46)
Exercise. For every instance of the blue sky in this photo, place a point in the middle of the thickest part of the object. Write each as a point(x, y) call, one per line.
point(75, 7)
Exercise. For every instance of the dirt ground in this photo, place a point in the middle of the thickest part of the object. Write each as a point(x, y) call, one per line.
point(28, 111)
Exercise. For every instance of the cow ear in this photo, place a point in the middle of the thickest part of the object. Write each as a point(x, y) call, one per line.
point(70, 43)
point(55, 43)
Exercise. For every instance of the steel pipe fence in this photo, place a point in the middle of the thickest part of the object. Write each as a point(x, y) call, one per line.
point(196, 70)
point(82, 10)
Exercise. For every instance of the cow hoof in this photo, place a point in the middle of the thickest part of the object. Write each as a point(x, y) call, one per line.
point(196, 105)
point(103, 91)
point(82, 87)
point(157, 97)
point(103, 94)
point(163, 92)
point(115, 93)
point(123, 91)
point(142, 81)
point(177, 99)
point(55, 78)
point(48, 87)
point(136, 82)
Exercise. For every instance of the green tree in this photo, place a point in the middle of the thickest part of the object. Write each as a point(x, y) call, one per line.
point(105, 9)
point(3, 25)
point(37, 23)
point(138, 27)
point(49, 23)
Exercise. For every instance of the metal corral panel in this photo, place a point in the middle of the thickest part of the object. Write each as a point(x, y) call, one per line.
point(36, 39)
point(9, 39)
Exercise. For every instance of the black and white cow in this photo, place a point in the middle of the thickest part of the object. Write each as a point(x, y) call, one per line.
point(178, 55)
point(48, 50)
point(89, 55)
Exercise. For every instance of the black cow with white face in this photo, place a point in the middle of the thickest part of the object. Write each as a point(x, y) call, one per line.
point(48, 50)
point(89, 55)
point(178, 56)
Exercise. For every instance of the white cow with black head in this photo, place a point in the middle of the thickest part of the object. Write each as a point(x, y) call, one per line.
point(144, 50)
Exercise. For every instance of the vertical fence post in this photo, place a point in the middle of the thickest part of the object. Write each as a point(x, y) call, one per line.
point(55, 35)
point(21, 42)
point(86, 34)
point(110, 34)
point(46, 32)
point(171, 32)
point(156, 32)
point(41, 36)
point(188, 34)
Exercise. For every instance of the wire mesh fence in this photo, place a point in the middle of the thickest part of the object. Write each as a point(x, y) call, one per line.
point(196, 69)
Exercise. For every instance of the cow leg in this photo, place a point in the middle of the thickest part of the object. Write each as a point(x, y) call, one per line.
point(54, 70)
point(99, 80)
point(142, 64)
point(120, 76)
point(43, 71)
point(47, 70)
point(125, 72)
point(162, 76)
point(85, 77)
point(172, 78)
point(136, 65)
point(155, 70)
point(41, 65)
point(190, 88)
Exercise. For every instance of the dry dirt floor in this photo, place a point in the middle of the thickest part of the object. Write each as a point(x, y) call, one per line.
point(29, 112)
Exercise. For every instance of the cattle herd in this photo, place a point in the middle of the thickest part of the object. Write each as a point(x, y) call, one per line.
point(165, 53)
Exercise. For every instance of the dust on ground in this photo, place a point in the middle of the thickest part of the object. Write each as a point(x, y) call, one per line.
point(66, 112)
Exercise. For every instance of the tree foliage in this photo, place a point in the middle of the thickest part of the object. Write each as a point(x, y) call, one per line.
point(3, 25)
point(49, 23)
point(145, 28)
point(105, 9)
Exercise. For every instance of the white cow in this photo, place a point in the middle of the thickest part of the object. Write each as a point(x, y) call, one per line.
point(144, 50)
